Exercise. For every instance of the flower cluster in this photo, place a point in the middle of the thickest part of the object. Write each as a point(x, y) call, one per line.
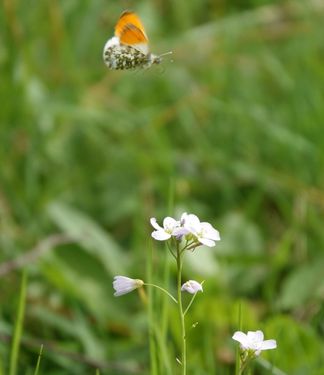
point(186, 234)
point(188, 227)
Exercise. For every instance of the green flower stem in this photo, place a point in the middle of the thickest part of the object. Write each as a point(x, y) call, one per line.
point(237, 355)
point(191, 301)
point(189, 245)
point(242, 368)
point(171, 251)
point(181, 314)
point(244, 362)
point(163, 290)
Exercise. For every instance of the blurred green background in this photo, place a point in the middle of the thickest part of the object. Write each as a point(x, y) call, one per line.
point(230, 128)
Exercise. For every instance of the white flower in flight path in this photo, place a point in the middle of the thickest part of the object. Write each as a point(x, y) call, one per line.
point(169, 225)
point(203, 232)
point(192, 287)
point(124, 285)
point(253, 341)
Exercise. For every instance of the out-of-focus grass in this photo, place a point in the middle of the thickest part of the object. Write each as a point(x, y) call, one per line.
point(235, 121)
point(19, 324)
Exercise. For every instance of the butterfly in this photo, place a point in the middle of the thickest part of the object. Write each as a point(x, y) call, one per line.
point(128, 49)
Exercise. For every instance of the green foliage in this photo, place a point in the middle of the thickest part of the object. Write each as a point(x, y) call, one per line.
point(234, 122)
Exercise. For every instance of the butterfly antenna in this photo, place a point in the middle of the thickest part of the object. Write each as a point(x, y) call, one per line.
point(166, 53)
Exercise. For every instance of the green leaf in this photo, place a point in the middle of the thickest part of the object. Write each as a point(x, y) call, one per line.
point(302, 285)
point(89, 235)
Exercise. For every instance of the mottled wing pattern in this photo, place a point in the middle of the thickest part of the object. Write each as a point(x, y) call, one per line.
point(125, 57)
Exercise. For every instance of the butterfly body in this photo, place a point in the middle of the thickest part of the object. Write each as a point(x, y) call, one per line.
point(128, 49)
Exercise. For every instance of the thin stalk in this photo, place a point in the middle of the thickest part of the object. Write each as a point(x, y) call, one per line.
point(171, 251)
point(150, 311)
point(245, 366)
point(1, 367)
point(162, 339)
point(38, 360)
point(18, 326)
point(238, 370)
point(163, 290)
point(181, 315)
point(190, 303)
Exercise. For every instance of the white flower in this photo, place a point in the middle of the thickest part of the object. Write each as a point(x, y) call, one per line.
point(254, 341)
point(189, 226)
point(192, 287)
point(124, 285)
point(204, 232)
point(169, 225)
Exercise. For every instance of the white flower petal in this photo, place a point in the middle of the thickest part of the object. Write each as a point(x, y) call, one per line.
point(170, 223)
point(154, 224)
point(160, 235)
point(257, 336)
point(268, 344)
point(192, 221)
point(206, 242)
point(210, 231)
point(122, 291)
point(240, 337)
point(180, 231)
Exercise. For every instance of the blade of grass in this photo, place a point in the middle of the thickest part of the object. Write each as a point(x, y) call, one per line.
point(166, 283)
point(38, 360)
point(153, 349)
point(270, 367)
point(18, 326)
point(237, 356)
point(1, 366)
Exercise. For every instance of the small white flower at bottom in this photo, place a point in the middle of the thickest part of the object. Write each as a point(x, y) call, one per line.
point(192, 287)
point(124, 285)
point(253, 341)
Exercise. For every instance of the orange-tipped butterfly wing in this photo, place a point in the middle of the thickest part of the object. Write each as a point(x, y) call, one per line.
point(129, 48)
point(129, 18)
point(134, 37)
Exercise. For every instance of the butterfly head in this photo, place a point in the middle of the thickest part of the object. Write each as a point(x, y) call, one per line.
point(157, 59)
point(154, 59)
